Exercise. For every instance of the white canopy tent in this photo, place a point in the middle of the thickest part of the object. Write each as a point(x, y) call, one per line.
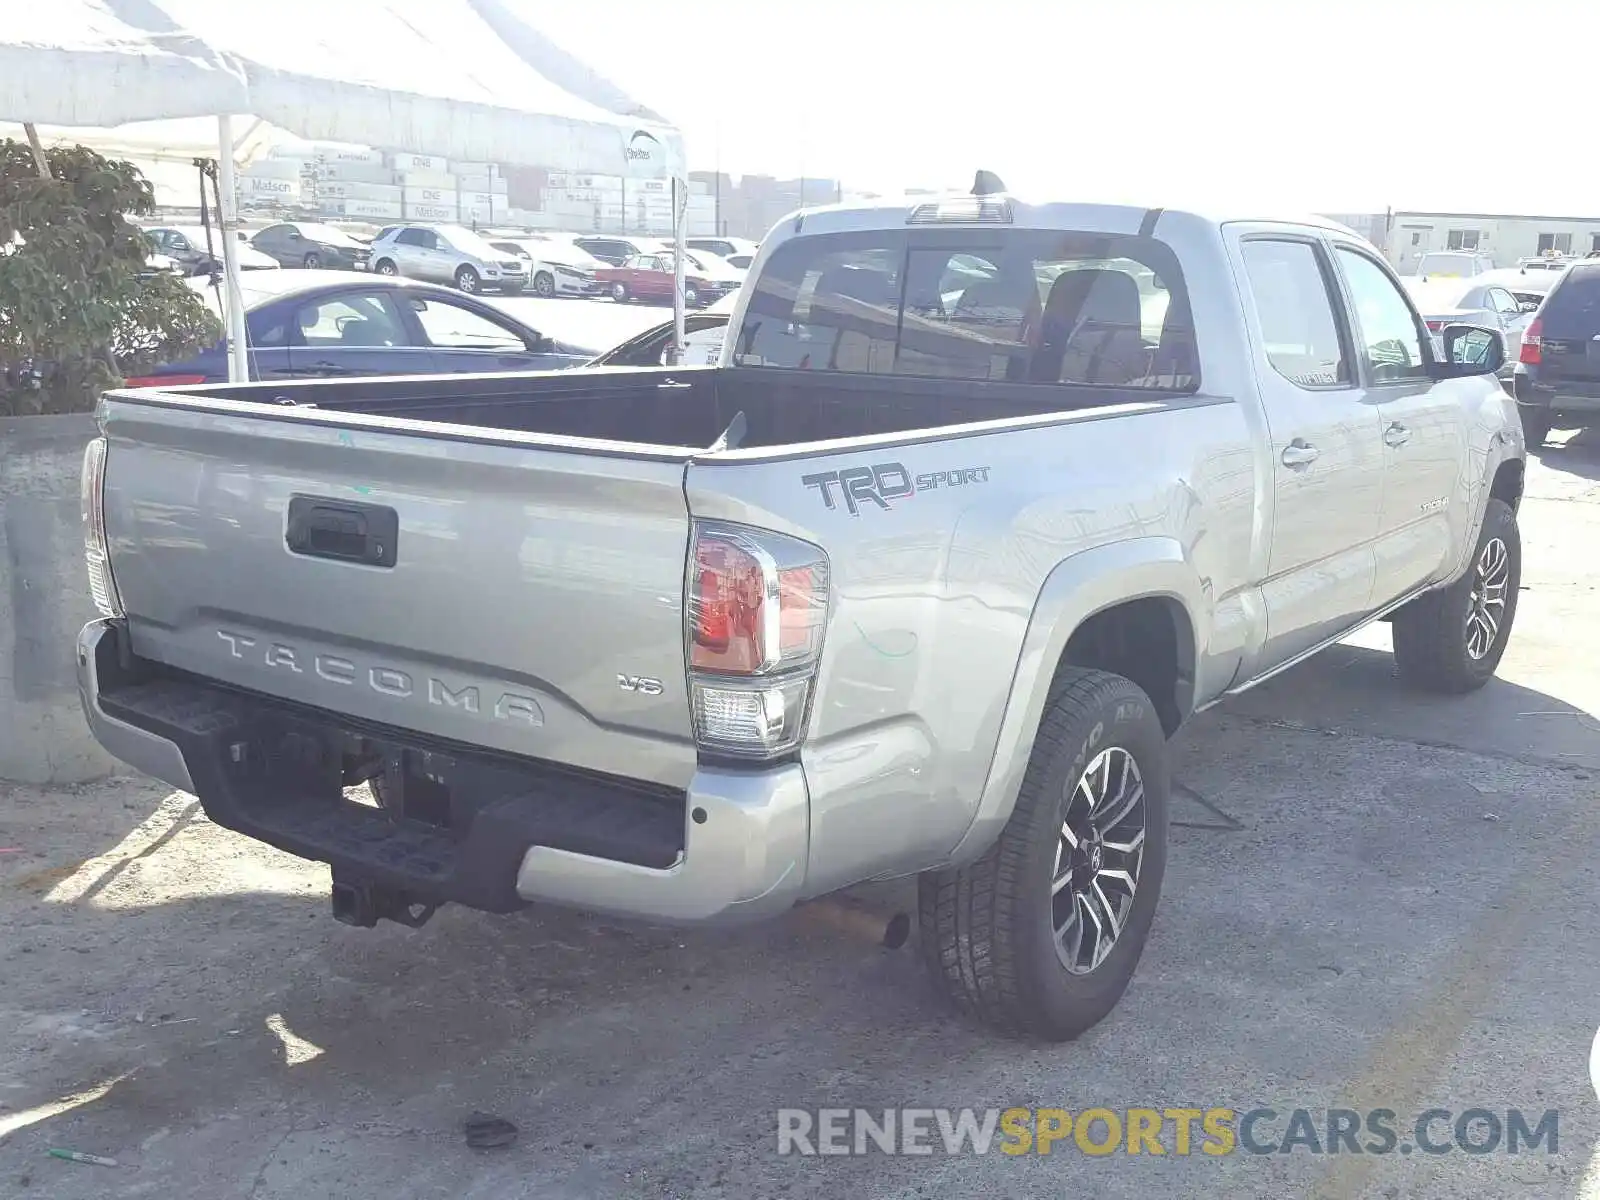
point(463, 79)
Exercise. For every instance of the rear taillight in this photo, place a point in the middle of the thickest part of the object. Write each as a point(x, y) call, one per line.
point(1532, 351)
point(102, 587)
point(144, 381)
point(757, 609)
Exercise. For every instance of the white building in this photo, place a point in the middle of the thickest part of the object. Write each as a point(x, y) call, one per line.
point(1505, 238)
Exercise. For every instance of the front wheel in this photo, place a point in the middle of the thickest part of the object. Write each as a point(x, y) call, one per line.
point(544, 284)
point(386, 267)
point(468, 280)
point(691, 298)
point(1451, 639)
point(311, 262)
point(619, 293)
point(1041, 935)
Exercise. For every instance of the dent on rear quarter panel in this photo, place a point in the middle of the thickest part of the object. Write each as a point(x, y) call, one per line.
point(932, 598)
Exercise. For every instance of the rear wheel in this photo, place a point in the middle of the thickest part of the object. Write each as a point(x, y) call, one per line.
point(386, 267)
point(691, 298)
point(468, 280)
point(544, 284)
point(1041, 935)
point(619, 293)
point(1451, 640)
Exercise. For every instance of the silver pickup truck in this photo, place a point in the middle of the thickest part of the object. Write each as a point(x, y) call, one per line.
point(984, 499)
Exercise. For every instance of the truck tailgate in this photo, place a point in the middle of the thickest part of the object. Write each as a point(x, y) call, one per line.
point(465, 587)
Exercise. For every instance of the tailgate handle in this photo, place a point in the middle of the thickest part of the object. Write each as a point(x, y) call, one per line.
point(343, 531)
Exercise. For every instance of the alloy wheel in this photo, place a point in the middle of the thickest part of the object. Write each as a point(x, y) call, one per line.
point(1099, 852)
point(1486, 608)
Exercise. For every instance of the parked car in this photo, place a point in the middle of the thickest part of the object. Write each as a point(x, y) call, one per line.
point(715, 267)
point(652, 278)
point(1546, 262)
point(1557, 376)
point(702, 340)
point(554, 268)
point(161, 264)
point(703, 332)
point(448, 254)
point(1452, 264)
point(897, 591)
point(326, 324)
point(614, 251)
point(1471, 301)
point(188, 246)
point(1528, 288)
point(724, 247)
point(313, 246)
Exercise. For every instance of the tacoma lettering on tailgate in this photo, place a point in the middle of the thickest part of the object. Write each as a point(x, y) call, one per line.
point(384, 680)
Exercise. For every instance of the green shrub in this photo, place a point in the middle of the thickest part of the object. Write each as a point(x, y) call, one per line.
point(78, 309)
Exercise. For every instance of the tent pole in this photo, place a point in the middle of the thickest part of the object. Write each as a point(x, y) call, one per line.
point(228, 219)
point(680, 214)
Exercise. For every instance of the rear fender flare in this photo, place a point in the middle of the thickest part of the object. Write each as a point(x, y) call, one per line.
point(1075, 590)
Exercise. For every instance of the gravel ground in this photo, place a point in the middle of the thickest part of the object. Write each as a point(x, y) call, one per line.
point(1374, 900)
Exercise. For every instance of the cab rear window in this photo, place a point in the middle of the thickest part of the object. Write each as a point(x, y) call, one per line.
point(1046, 307)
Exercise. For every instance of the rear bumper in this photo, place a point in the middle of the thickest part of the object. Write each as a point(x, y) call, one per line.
point(1571, 397)
point(731, 847)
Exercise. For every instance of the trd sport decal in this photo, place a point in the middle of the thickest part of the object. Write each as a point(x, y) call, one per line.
point(885, 483)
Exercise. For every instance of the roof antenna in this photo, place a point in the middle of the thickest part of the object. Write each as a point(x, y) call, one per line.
point(987, 183)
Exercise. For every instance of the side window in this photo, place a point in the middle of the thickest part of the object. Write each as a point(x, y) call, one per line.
point(353, 319)
point(1298, 329)
point(1389, 339)
point(455, 327)
point(1501, 301)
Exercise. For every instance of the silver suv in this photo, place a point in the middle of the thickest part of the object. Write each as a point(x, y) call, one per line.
point(447, 254)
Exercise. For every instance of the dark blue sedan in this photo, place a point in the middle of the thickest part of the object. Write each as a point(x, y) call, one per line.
point(331, 324)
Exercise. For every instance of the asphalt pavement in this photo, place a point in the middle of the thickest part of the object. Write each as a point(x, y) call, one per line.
point(1375, 901)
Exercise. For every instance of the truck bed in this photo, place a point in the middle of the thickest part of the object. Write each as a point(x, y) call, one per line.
point(687, 407)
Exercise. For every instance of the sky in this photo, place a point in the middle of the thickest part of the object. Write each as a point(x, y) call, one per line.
point(1301, 104)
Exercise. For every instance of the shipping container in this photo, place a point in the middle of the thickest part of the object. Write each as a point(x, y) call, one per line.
point(428, 212)
point(430, 195)
point(405, 163)
point(349, 172)
point(256, 188)
point(335, 189)
point(481, 183)
point(273, 168)
point(381, 210)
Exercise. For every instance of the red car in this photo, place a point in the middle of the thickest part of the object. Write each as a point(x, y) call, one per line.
point(649, 277)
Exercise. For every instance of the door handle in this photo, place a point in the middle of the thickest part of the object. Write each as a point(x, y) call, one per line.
point(1299, 454)
point(1396, 435)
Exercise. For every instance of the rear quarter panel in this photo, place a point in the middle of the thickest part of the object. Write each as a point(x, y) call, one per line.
point(933, 595)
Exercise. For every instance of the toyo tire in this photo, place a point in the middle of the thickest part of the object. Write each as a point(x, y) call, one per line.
point(1451, 640)
point(1008, 937)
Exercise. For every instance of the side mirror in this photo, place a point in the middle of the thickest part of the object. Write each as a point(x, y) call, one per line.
point(1470, 350)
